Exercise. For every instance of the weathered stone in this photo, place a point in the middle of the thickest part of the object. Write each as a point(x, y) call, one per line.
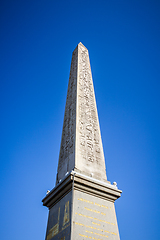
point(81, 145)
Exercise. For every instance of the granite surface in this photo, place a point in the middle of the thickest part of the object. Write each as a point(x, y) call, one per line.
point(81, 145)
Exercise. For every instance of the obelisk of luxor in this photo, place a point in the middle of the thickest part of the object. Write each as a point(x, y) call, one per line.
point(81, 205)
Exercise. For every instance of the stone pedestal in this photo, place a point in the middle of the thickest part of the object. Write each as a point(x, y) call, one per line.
point(80, 208)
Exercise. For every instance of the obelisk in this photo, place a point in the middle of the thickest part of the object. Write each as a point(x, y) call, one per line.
point(81, 205)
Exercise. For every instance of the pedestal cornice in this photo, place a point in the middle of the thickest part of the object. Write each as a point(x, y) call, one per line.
point(82, 183)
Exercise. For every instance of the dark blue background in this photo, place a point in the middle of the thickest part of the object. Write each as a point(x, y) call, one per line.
point(37, 40)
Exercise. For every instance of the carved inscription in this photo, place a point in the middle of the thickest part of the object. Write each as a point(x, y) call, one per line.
point(97, 204)
point(86, 236)
point(66, 214)
point(97, 219)
point(90, 148)
point(56, 229)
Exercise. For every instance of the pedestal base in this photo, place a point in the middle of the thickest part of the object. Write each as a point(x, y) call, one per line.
point(81, 207)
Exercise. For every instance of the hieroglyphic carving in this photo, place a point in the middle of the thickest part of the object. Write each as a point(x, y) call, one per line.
point(90, 145)
point(55, 229)
point(60, 226)
point(66, 214)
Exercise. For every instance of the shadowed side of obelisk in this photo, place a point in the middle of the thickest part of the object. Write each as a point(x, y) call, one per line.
point(67, 150)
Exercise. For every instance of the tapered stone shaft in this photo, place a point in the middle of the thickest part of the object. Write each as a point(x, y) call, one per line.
point(81, 145)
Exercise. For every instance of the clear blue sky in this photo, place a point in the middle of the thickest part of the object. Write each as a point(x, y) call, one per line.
point(37, 40)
